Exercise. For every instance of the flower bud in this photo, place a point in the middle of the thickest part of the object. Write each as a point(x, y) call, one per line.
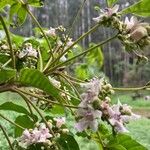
point(96, 104)
point(148, 29)
point(65, 131)
point(50, 124)
point(138, 33)
point(107, 99)
point(112, 91)
point(147, 41)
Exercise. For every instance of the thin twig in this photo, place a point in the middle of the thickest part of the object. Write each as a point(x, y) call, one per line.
point(85, 52)
point(9, 42)
point(38, 24)
point(46, 100)
point(75, 42)
point(8, 140)
point(13, 123)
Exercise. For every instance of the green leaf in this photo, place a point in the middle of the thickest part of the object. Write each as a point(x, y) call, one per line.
point(36, 3)
point(111, 2)
point(117, 147)
point(17, 15)
point(124, 142)
point(13, 10)
point(14, 107)
point(25, 122)
point(4, 58)
point(57, 110)
point(3, 3)
point(6, 75)
point(95, 56)
point(129, 143)
point(81, 71)
point(67, 142)
point(141, 8)
point(22, 14)
point(34, 78)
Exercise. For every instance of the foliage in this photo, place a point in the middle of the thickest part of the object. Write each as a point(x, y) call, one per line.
point(36, 69)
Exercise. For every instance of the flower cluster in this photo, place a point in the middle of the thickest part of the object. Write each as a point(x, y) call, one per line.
point(41, 134)
point(88, 111)
point(95, 104)
point(117, 115)
point(28, 51)
point(133, 34)
point(138, 32)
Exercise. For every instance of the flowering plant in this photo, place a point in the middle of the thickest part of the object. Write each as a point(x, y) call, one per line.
point(36, 70)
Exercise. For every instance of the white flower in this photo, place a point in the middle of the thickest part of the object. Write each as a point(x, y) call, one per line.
point(60, 121)
point(55, 82)
point(69, 42)
point(51, 32)
point(108, 12)
point(63, 58)
point(28, 50)
point(130, 23)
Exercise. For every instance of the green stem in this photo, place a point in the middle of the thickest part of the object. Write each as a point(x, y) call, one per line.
point(39, 26)
point(29, 107)
point(80, 38)
point(4, 65)
point(76, 91)
point(9, 42)
point(43, 99)
point(132, 89)
point(13, 123)
point(8, 140)
point(72, 79)
point(85, 52)
point(40, 60)
point(100, 140)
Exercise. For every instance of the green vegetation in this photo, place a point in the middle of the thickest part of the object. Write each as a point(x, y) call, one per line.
point(139, 130)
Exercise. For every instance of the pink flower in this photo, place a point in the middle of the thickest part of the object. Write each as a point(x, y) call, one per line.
point(137, 30)
point(37, 135)
point(60, 121)
point(89, 119)
point(119, 115)
point(108, 12)
point(130, 23)
point(92, 90)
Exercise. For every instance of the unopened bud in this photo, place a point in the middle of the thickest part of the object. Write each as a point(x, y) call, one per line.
point(148, 29)
point(65, 131)
point(112, 91)
point(138, 33)
point(48, 142)
point(96, 104)
point(107, 99)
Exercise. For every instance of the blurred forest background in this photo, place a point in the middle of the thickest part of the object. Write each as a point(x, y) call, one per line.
point(118, 65)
